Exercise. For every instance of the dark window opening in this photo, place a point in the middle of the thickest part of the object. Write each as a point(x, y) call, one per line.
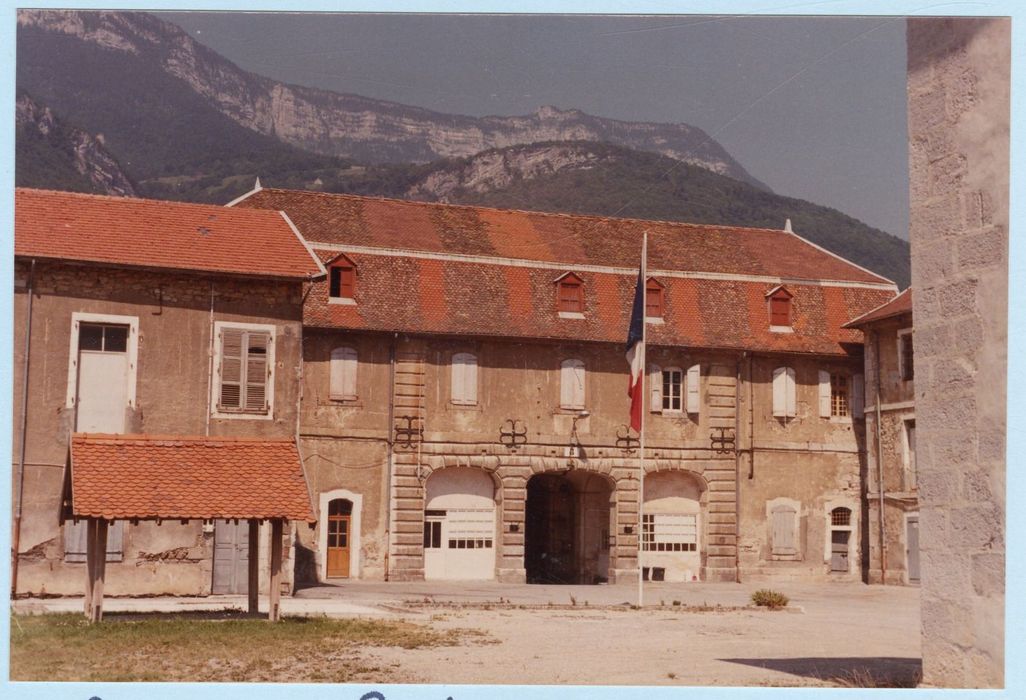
point(342, 282)
point(102, 338)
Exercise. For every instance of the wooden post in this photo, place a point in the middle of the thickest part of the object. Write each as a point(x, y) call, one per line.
point(87, 602)
point(274, 592)
point(100, 569)
point(253, 585)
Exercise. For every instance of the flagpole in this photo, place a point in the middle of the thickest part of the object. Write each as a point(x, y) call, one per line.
point(641, 429)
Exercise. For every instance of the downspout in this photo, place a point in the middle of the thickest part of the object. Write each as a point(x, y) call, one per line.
point(737, 468)
point(879, 463)
point(210, 361)
point(389, 450)
point(16, 544)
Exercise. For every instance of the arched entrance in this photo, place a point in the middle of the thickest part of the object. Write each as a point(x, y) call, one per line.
point(459, 525)
point(568, 526)
point(671, 528)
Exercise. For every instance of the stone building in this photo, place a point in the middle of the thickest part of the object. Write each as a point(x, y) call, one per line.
point(159, 319)
point(892, 513)
point(464, 412)
point(958, 122)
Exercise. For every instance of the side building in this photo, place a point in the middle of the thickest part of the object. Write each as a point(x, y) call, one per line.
point(172, 328)
point(464, 414)
point(893, 510)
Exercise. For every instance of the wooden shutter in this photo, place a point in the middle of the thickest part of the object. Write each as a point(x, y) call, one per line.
point(693, 383)
point(115, 541)
point(783, 531)
point(858, 396)
point(232, 340)
point(342, 379)
point(464, 379)
point(655, 387)
point(347, 282)
point(75, 541)
point(572, 384)
point(780, 392)
point(256, 370)
point(824, 394)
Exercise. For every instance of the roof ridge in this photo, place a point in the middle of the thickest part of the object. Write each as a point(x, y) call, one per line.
point(566, 215)
point(138, 200)
point(147, 437)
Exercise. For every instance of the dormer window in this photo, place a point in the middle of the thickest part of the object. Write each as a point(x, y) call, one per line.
point(654, 300)
point(342, 281)
point(779, 303)
point(570, 296)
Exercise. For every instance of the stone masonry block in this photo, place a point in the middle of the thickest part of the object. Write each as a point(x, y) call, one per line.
point(982, 250)
point(937, 218)
point(989, 574)
point(958, 299)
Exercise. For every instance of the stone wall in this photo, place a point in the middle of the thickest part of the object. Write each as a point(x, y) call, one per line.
point(958, 107)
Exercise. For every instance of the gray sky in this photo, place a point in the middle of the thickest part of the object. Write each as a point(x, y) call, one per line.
point(812, 106)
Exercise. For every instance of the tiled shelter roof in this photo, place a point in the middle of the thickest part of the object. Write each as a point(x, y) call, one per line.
point(901, 304)
point(156, 234)
point(184, 477)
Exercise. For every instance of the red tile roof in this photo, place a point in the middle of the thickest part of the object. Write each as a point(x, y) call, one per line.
point(147, 233)
point(417, 295)
point(178, 477)
point(554, 238)
point(901, 304)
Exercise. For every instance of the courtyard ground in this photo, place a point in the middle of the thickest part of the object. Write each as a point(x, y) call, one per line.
point(686, 634)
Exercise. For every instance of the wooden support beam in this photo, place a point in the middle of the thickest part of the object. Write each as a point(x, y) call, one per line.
point(87, 602)
point(253, 585)
point(99, 569)
point(274, 591)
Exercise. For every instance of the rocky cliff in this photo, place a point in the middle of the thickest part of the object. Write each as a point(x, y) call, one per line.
point(364, 129)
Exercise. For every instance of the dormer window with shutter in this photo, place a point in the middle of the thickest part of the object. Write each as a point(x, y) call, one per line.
point(244, 386)
point(341, 281)
point(654, 292)
point(570, 296)
point(778, 302)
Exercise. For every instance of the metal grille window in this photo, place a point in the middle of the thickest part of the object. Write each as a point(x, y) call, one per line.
point(669, 532)
point(245, 371)
point(673, 385)
point(840, 517)
point(839, 395)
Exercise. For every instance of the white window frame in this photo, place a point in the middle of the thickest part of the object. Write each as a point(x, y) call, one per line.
point(901, 354)
point(650, 540)
point(856, 401)
point(215, 384)
point(682, 389)
point(784, 387)
point(339, 372)
point(577, 397)
point(132, 350)
point(910, 479)
point(460, 393)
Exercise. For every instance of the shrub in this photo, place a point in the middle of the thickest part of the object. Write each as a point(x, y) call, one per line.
point(769, 599)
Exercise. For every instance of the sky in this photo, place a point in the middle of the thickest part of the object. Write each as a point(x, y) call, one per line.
point(812, 106)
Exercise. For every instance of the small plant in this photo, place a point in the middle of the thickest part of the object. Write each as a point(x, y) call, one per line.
point(676, 603)
point(770, 599)
point(573, 601)
point(671, 675)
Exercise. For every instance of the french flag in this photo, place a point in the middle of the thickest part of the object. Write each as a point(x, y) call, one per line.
point(636, 346)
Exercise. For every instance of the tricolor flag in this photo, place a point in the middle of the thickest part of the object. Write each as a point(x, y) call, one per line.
point(636, 346)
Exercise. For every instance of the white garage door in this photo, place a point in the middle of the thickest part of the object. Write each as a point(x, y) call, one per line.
point(459, 526)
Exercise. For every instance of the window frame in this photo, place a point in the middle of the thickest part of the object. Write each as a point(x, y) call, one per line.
point(565, 365)
point(681, 390)
point(839, 382)
point(77, 319)
point(346, 272)
point(458, 363)
point(652, 285)
point(910, 477)
point(343, 351)
point(570, 281)
point(216, 411)
point(774, 298)
point(906, 361)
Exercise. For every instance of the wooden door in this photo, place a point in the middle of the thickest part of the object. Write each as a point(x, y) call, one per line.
point(231, 557)
point(339, 523)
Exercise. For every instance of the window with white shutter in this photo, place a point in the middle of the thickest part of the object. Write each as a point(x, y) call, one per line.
point(784, 540)
point(571, 384)
point(694, 382)
point(655, 388)
point(342, 381)
point(672, 380)
point(245, 369)
point(785, 393)
point(464, 379)
point(75, 540)
point(824, 394)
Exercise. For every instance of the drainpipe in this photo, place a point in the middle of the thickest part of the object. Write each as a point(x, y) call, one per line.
point(737, 468)
point(879, 463)
point(210, 361)
point(16, 544)
point(389, 450)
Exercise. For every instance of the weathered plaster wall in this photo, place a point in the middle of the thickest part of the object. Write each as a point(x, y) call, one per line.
point(172, 396)
point(958, 102)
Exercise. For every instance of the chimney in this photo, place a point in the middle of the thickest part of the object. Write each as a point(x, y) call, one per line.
point(787, 224)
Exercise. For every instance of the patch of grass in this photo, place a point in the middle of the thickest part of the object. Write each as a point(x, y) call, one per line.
point(164, 648)
point(864, 678)
point(773, 600)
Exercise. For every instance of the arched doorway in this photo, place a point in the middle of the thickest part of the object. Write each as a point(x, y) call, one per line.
point(339, 526)
point(568, 523)
point(459, 525)
point(671, 528)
